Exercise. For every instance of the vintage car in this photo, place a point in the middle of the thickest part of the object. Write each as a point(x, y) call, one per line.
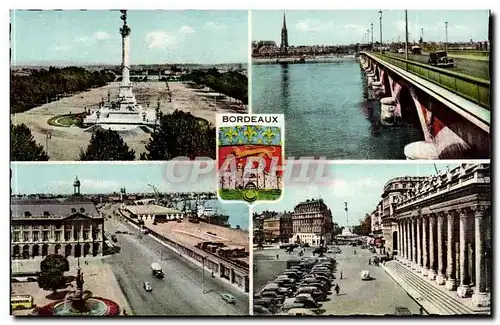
point(365, 275)
point(440, 59)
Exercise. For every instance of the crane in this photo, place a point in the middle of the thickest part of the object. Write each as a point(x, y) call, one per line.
point(156, 193)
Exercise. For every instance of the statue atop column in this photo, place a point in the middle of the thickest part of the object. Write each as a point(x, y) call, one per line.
point(124, 30)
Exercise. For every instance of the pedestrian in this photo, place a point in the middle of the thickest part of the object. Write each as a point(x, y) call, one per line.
point(341, 275)
point(369, 261)
point(277, 256)
point(337, 289)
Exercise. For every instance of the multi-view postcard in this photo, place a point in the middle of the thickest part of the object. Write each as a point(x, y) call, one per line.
point(223, 163)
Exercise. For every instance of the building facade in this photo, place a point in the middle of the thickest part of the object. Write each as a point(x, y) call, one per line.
point(442, 229)
point(312, 223)
point(278, 228)
point(71, 228)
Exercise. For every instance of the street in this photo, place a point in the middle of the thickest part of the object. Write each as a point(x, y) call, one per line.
point(379, 296)
point(180, 292)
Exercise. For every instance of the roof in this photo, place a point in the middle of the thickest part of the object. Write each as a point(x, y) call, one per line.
point(49, 208)
point(151, 209)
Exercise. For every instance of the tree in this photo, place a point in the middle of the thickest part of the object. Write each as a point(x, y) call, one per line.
point(52, 280)
point(365, 226)
point(24, 146)
point(54, 262)
point(107, 145)
point(181, 134)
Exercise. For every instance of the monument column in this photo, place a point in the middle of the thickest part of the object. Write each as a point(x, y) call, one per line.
point(451, 283)
point(440, 278)
point(425, 268)
point(464, 261)
point(419, 242)
point(480, 298)
point(432, 242)
point(125, 32)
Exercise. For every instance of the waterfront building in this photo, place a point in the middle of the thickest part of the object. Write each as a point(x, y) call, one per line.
point(312, 223)
point(71, 227)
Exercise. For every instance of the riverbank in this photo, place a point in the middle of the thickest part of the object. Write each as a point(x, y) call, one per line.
point(306, 60)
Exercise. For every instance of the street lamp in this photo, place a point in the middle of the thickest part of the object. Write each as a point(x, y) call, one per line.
point(380, 18)
point(406, 37)
point(446, 32)
point(371, 25)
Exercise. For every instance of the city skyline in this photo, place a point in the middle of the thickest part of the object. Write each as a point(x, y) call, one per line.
point(359, 186)
point(106, 178)
point(157, 37)
point(343, 27)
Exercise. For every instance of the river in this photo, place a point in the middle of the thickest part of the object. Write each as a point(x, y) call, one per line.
point(326, 111)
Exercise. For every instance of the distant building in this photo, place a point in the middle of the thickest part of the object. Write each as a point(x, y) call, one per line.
point(278, 228)
point(71, 228)
point(312, 223)
point(153, 212)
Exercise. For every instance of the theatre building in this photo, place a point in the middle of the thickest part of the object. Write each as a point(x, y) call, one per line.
point(442, 228)
point(71, 227)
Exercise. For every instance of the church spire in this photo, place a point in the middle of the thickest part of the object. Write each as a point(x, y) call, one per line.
point(284, 36)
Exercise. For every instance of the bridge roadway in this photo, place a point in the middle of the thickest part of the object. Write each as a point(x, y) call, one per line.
point(181, 292)
point(475, 68)
point(474, 113)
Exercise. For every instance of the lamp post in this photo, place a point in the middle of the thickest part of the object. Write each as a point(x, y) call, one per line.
point(446, 32)
point(371, 25)
point(406, 37)
point(380, 18)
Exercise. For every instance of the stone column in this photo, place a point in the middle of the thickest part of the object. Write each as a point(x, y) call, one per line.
point(407, 242)
point(73, 237)
point(432, 242)
point(464, 261)
point(413, 227)
point(451, 282)
point(419, 249)
point(440, 278)
point(425, 268)
point(480, 298)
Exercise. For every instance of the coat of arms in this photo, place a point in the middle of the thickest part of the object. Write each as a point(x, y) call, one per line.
point(250, 157)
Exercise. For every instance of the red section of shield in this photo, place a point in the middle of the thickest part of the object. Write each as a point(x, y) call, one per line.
point(243, 152)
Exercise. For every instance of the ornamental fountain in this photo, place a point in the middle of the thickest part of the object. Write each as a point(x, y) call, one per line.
point(80, 303)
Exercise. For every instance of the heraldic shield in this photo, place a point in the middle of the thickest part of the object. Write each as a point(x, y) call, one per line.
point(250, 157)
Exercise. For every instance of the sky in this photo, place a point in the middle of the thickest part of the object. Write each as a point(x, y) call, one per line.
point(332, 27)
point(158, 36)
point(360, 185)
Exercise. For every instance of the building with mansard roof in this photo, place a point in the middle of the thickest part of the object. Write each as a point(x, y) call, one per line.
point(71, 227)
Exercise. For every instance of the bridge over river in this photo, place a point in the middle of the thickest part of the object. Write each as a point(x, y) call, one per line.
point(453, 108)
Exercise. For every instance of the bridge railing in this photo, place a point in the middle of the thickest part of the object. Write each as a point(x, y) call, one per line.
point(474, 89)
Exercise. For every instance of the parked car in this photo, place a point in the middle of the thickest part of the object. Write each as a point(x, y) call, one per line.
point(259, 310)
point(301, 312)
point(440, 59)
point(402, 311)
point(365, 275)
point(315, 292)
point(227, 298)
point(147, 286)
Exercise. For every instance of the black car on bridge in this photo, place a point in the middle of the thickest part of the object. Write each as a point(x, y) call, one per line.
point(440, 59)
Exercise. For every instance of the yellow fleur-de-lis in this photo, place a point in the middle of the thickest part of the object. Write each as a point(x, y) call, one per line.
point(269, 135)
point(231, 134)
point(249, 133)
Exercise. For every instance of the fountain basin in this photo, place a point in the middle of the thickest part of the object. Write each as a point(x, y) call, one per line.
point(95, 306)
